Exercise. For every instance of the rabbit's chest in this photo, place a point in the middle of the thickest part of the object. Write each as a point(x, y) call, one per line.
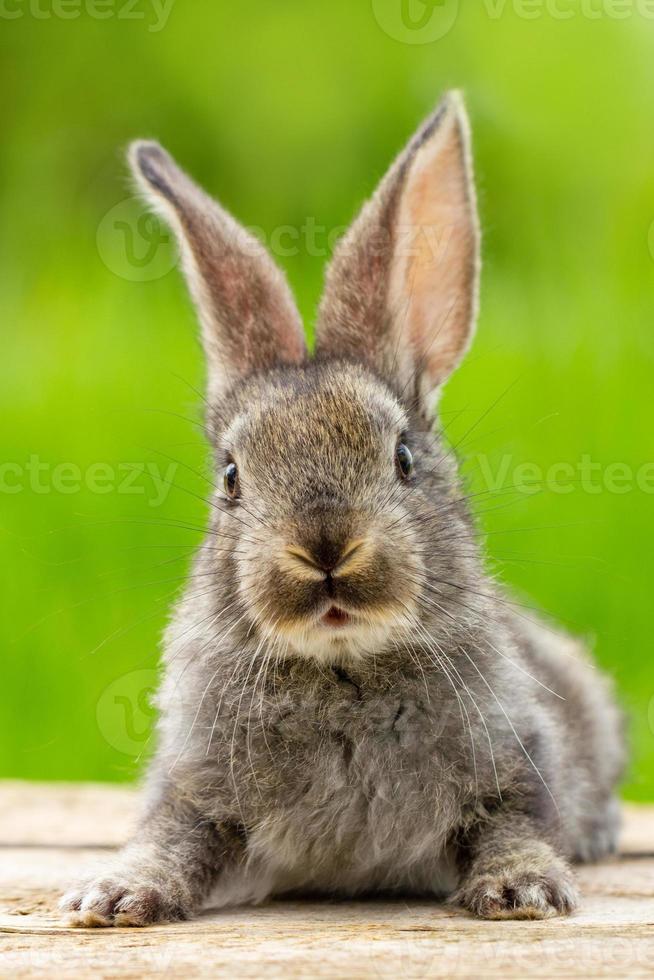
point(352, 761)
point(348, 787)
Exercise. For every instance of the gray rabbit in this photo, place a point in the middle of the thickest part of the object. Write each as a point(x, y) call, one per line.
point(349, 705)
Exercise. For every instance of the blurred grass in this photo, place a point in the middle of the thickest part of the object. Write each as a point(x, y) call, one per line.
point(289, 111)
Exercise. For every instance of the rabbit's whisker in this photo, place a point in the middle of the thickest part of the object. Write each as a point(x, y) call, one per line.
point(513, 728)
point(514, 663)
point(232, 754)
point(438, 661)
point(204, 694)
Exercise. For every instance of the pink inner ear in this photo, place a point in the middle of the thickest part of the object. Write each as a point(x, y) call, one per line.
point(434, 268)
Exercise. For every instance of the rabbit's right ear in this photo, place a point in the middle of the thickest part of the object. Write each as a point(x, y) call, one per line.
point(401, 291)
point(249, 320)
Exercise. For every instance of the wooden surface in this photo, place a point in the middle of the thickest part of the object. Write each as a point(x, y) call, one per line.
point(50, 834)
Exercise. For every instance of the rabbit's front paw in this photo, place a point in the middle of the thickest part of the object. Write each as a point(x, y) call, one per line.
point(519, 895)
point(119, 901)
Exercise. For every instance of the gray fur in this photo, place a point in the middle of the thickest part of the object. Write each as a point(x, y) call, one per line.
point(441, 743)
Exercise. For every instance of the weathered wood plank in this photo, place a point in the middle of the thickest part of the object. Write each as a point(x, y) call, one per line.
point(65, 814)
point(47, 836)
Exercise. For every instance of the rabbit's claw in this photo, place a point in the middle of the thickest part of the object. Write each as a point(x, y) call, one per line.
point(119, 902)
point(521, 896)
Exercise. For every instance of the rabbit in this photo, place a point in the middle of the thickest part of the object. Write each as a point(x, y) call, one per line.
point(349, 705)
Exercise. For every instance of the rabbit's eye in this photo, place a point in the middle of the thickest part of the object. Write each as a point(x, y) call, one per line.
point(230, 480)
point(404, 461)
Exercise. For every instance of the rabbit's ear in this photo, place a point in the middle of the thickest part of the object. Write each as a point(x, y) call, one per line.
point(401, 290)
point(249, 320)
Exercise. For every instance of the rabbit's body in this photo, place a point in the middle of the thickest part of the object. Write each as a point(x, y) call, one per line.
point(362, 779)
point(357, 776)
point(349, 705)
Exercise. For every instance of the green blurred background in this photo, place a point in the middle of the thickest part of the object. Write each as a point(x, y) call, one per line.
point(290, 112)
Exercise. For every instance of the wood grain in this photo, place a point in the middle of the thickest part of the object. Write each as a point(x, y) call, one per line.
point(50, 834)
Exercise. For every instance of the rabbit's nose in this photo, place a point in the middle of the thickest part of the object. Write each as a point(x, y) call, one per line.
point(339, 561)
point(328, 559)
point(327, 554)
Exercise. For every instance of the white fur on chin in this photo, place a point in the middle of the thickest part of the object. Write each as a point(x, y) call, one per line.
point(356, 640)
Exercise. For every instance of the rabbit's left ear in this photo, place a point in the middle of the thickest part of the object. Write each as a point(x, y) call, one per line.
point(249, 319)
point(401, 291)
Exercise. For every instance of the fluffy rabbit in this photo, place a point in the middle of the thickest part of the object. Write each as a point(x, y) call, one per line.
point(349, 705)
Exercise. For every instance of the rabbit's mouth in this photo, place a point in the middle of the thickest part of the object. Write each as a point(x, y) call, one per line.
point(329, 627)
point(338, 589)
point(335, 618)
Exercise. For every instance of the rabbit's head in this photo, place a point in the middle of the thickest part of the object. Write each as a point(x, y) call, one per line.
point(337, 507)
